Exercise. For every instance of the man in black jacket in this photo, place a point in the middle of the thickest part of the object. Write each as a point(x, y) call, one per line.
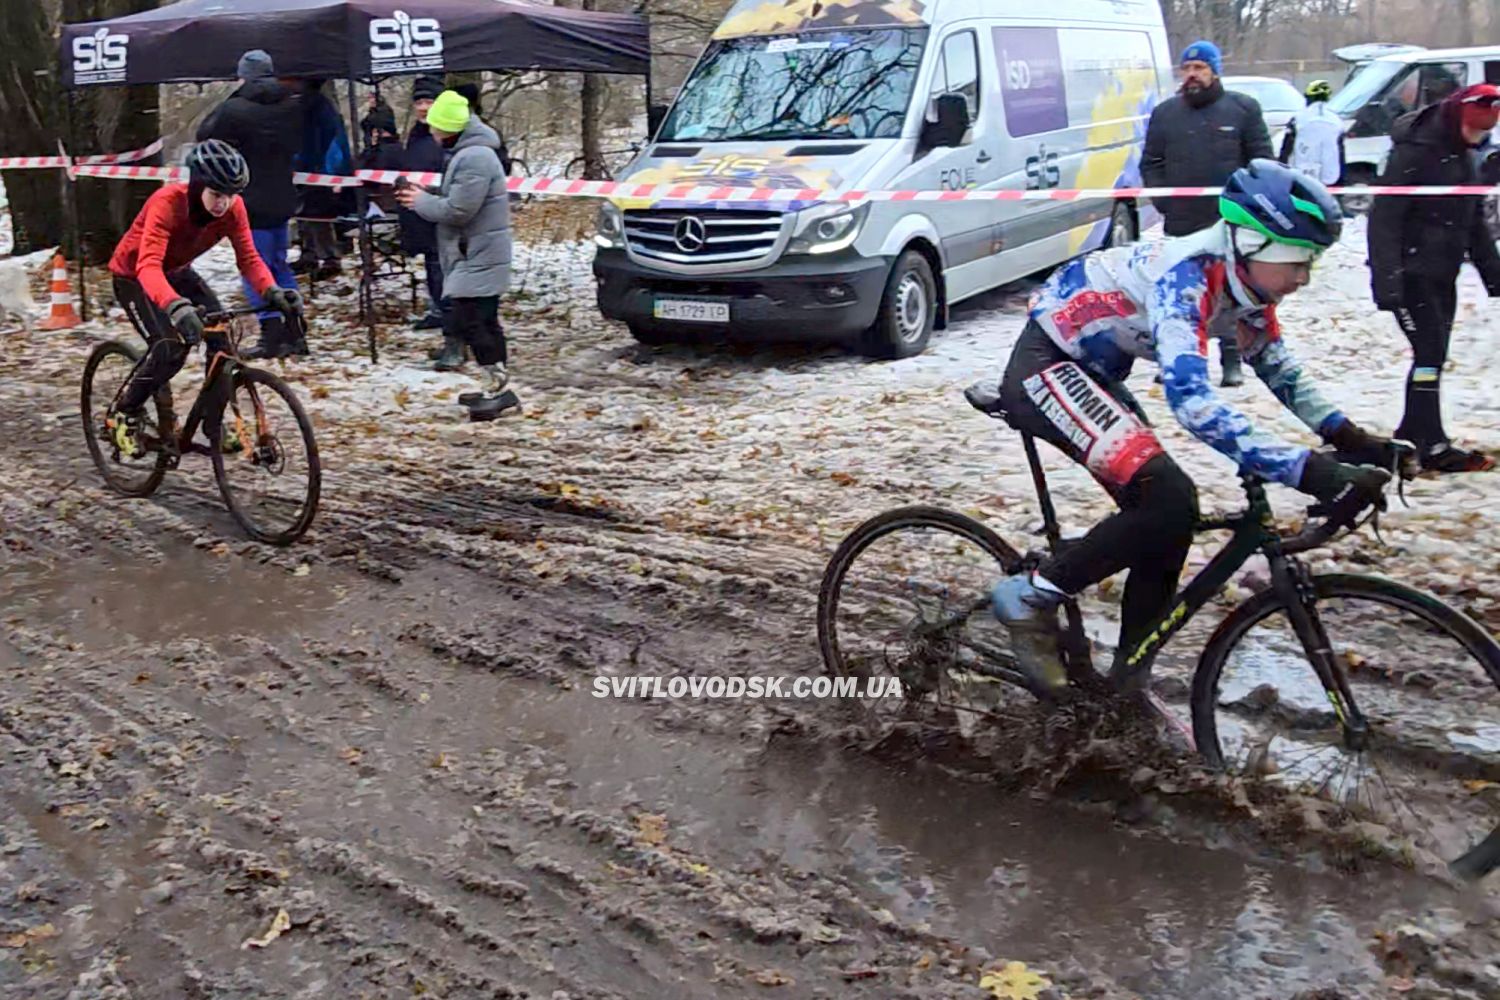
point(1417, 245)
point(263, 120)
point(418, 236)
point(1197, 139)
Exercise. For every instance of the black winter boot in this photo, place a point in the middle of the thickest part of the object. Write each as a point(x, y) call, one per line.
point(451, 357)
point(274, 341)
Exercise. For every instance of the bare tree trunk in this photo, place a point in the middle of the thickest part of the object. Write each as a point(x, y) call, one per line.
point(1464, 19)
point(32, 117)
point(591, 107)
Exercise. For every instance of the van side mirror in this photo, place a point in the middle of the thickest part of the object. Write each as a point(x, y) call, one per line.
point(655, 115)
point(952, 113)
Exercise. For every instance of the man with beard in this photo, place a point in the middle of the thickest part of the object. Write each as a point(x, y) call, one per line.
point(1197, 139)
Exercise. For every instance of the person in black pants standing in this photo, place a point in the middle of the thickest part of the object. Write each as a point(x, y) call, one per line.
point(418, 236)
point(1417, 244)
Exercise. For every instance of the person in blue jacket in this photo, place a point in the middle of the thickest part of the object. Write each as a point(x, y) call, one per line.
point(325, 150)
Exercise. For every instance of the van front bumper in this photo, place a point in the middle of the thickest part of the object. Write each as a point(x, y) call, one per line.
point(814, 298)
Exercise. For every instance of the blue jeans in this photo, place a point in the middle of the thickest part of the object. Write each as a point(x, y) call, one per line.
point(271, 244)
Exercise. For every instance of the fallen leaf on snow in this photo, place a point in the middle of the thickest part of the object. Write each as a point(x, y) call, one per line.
point(319, 392)
point(280, 924)
point(1477, 785)
point(402, 397)
point(69, 769)
point(774, 977)
point(353, 755)
point(843, 478)
point(303, 569)
point(651, 828)
point(99, 824)
point(38, 933)
point(441, 761)
point(1013, 981)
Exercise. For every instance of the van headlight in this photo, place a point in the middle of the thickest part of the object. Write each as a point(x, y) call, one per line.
point(609, 227)
point(828, 228)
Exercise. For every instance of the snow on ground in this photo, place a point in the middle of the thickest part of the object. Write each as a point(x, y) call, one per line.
point(803, 443)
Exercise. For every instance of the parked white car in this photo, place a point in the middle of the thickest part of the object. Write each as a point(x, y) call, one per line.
point(1278, 100)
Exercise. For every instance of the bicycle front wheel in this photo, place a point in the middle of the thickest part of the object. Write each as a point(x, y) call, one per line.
point(1425, 677)
point(906, 595)
point(266, 459)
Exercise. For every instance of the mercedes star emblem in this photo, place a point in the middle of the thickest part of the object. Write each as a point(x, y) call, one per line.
point(690, 234)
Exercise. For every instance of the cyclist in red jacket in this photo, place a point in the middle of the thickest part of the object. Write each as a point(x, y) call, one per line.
point(156, 285)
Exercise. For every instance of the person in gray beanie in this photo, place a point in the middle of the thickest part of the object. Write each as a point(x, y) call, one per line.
point(263, 120)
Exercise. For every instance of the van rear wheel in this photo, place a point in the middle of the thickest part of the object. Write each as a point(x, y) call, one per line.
point(908, 310)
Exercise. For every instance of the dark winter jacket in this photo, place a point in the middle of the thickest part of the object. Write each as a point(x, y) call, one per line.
point(386, 154)
point(325, 150)
point(263, 120)
point(1423, 235)
point(418, 236)
point(1191, 146)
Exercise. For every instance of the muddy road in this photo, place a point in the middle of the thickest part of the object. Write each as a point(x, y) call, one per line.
point(387, 733)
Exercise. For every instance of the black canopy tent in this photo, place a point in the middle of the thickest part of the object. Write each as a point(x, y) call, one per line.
point(196, 41)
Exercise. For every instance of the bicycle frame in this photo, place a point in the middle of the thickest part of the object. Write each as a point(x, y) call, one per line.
point(1253, 531)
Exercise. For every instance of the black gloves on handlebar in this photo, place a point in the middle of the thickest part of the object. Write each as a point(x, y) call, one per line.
point(186, 321)
point(1344, 490)
point(1357, 446)
point(287, 301)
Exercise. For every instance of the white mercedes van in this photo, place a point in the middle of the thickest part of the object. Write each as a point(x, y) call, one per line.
point(881, 95)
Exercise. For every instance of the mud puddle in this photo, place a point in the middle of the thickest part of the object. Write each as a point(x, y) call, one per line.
point(331, 740)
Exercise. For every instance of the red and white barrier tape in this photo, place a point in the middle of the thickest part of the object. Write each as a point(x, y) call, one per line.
point(130, 157)
point(39, 162)
point(711, 193)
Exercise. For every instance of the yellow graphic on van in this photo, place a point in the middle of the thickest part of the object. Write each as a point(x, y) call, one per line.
point(1119, 117)
point(771, 169)
point(779, 17)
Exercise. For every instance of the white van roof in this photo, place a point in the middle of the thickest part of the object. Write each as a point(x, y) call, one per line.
point(1442, 55)
point(780, 17)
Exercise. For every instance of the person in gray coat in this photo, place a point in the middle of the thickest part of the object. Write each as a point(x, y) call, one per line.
point(472, 212)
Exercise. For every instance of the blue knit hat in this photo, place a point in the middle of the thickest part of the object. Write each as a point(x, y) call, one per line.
point(1204, 51)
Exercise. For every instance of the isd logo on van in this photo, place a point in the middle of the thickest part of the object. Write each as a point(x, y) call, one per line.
point(402, 43)
point(100, 57)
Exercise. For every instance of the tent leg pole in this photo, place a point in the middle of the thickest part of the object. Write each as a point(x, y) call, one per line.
point(366, 254)
point(77, 212)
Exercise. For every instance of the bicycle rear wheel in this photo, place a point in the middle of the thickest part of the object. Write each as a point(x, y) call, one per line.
point(906, 593)
point(1424, 676)
point(104, 375)
point(272, 481)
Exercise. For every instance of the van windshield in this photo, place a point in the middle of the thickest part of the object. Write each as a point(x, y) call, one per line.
point(813, 85)
point(1365, 87)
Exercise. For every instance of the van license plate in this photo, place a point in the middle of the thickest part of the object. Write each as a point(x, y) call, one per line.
point(691, 311)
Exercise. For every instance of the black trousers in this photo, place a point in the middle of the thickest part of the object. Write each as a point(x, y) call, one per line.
point(1055, 399)
point(1426, 317)
point(166, 350)
point(476, 322)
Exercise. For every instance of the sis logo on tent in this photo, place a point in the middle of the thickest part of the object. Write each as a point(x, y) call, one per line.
point(100, 57)
point(402, 43)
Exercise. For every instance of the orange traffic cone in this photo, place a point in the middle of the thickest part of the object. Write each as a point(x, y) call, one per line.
point(64, 316)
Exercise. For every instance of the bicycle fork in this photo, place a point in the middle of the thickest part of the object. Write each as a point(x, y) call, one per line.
point(1292, 582)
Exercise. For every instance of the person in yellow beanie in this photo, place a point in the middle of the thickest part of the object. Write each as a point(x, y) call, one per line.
point(472, 212)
